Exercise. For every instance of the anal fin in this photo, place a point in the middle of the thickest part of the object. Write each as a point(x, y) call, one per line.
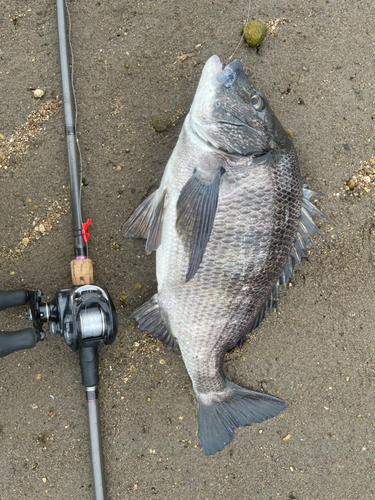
point(150, 318)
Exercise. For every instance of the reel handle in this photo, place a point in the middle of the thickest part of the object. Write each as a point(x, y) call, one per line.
point(17, 341)
point(14, 298)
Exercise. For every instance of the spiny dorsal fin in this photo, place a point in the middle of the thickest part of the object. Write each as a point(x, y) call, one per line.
point(303, 241)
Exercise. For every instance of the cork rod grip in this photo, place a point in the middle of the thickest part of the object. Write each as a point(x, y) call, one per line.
point(82, 272)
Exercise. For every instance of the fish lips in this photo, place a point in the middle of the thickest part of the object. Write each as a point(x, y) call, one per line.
point(228, 75)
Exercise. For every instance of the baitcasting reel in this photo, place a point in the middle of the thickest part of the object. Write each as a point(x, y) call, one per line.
point(84, 315)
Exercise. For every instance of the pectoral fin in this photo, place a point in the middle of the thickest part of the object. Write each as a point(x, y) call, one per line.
point(196, 209)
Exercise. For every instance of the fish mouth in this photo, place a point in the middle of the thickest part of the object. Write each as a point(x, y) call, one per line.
point(228, 74)
point(223, 74)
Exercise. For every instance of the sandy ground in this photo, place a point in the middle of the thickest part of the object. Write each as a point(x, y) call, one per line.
point(317, 352)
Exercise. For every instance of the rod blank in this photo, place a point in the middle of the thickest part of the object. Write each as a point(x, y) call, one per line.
point(71, 137)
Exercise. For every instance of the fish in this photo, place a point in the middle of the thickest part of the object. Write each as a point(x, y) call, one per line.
point(229, 222)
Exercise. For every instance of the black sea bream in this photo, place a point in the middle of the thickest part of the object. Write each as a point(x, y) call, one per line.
point(229, 221)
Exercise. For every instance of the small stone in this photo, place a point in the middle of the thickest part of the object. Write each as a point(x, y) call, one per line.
point(162, 362)
point(127, 150)
point(38, 93)
point(2, 138)
point(137, 286)
point(118, 168)
point(38, 377)
point(347, 147)
point(351, 183)
point(288, 436)
point(160, 124)
point(25, 241)
point(357, 91)
point(254, 33)
point(122, 298)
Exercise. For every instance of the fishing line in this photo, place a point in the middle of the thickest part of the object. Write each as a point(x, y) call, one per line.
point(75, 106)
point(243, 34)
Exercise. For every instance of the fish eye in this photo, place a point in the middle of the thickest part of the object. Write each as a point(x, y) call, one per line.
point(257, 102)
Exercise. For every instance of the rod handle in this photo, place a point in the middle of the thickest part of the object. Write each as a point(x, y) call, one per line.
point(82, 272)
point(13, 298)
point(17, 341)
point(89, 361)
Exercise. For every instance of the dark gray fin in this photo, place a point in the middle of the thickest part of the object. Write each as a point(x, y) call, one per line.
point(196, 209)
point(299, 251)
point(149, 319)
point(306, 229)
point(154, 234)
point(218, 421)
point(138, 224)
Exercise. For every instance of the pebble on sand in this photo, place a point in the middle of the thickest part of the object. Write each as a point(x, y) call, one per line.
point(38, 93)
point(254, 32)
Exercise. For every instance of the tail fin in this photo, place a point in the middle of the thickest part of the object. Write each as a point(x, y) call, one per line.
point(217, 421)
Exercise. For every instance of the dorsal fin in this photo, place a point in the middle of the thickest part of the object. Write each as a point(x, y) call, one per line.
point(302, 242)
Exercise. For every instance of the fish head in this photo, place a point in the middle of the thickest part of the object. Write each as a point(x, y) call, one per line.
point(231, 115)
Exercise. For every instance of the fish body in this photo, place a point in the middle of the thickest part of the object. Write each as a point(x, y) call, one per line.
point(229, 221)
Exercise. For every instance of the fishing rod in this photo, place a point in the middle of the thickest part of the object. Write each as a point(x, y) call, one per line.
point(83, 314)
